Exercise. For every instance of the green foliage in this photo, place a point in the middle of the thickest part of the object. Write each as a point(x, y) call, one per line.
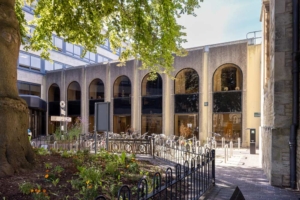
point(146, 29)
point(66, 154)
point(26, 187)
point(41, 151)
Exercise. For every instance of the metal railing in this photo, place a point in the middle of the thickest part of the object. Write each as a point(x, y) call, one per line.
point(187, 182)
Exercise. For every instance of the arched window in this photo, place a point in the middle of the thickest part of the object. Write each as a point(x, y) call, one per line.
point(227, 102)
point(96, 94)
point(74, 100)
point(122, 104)
point(54, 107)
point(186, 103)
point(152, 105)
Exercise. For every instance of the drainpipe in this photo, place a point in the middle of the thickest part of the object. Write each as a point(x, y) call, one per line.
point(295, 115)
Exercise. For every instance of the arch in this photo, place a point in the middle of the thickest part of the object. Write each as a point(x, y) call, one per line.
point(186, 103)
point(227, 77)
point(74, 91)
point(54, 93)
point(186, 81)
point(96, 89)
point(151, 105)
point(122, 104)
point(122, 87)
point(151, 87)
point(227, 102)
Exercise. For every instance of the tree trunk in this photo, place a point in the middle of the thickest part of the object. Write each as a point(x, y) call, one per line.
point(16, 153)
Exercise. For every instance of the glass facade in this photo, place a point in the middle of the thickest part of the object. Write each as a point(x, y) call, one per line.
point(151, 105)
point(29, 88)
point(186, 100)
point(122, 104)
point(227, 102)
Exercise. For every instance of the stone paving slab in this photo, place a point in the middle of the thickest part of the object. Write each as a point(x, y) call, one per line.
point(243, 170)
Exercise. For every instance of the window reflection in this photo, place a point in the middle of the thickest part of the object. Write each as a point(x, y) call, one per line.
point(122, 87)
point(122, 104)
point(228, 126)
point(228, 78)
point(187, 82)
point(186, 125)
point(227, 102)
point(152, 105)
point(186, 101)
point(152, 124)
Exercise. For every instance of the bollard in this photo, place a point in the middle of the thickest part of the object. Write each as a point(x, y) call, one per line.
point(239, 143)
point(225, 153)
point(55, 146)
point(223, 142)
point(231, 148)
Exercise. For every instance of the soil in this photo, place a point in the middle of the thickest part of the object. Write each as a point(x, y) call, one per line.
point(9, 186)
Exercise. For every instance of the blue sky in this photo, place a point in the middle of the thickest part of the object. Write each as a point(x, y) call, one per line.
point(220, 21)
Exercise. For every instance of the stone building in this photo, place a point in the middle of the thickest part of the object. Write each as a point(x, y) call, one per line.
point(216, 89)
point(280, 92)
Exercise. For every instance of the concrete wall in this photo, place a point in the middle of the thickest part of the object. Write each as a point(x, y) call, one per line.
point(205, 61)
point(235, 54)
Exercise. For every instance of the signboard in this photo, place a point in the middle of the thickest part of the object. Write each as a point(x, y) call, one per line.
point(61, 119)
point(102, 114)
point(257, 114)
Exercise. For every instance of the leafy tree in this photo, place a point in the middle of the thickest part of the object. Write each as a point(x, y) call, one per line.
point(148, 26)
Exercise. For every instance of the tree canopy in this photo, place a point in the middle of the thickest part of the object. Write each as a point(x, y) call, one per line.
point(145, 29)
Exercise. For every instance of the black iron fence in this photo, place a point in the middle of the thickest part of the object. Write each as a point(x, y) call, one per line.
point(190, 178)
point(187, 182)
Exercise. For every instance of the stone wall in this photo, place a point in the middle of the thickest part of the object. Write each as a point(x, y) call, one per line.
point(277, 103)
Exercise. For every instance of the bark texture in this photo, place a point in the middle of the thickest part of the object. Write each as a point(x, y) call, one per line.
point(16, 153)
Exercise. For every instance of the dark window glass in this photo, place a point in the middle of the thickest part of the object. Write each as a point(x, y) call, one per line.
point(186, 103)
point(35, 90)
point(122, 87)
point(150, 88)
point(96, 89)
point(74, 108)
point(29, 89)
point(54, 93)
point(122, 105)
point(187, 82)
point(152, 105)
point(54, 108)
point(121, 123)
point(74, 92)
point(151, 124)
point(227, 102)
point(92, 105)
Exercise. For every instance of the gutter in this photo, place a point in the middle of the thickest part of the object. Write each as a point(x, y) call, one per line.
point(295, 105)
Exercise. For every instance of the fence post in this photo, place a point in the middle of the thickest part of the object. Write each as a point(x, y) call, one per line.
point(239, 143)
point(213, 167)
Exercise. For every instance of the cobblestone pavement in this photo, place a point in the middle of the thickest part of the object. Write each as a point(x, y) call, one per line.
point(243, 170)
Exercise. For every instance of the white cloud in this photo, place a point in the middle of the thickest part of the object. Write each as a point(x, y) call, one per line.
point(221, 21)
